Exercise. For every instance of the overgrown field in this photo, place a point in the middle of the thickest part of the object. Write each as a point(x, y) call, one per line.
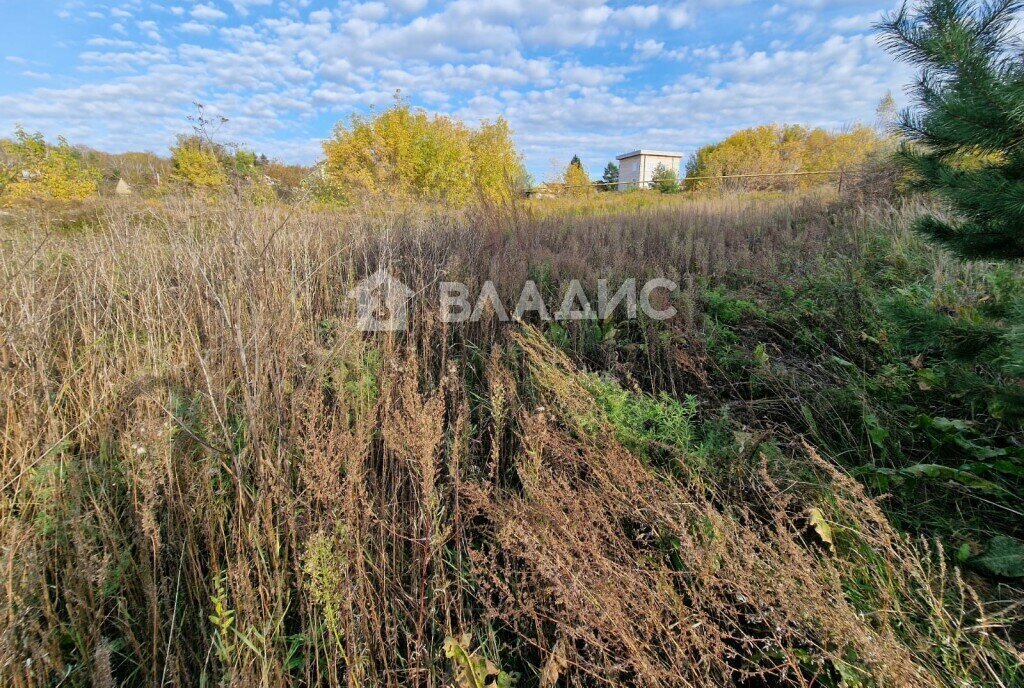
point(210, 476)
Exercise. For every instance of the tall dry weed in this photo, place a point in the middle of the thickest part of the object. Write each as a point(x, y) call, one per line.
point(210, 476)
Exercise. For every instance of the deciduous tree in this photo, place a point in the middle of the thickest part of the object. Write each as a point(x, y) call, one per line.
point(32, 169)
point(772, 149)
point(197, 164)
point(402, 151)
point(575, 181)
point(665, 179)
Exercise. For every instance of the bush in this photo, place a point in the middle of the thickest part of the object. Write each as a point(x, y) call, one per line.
point(287, 180)
point(878, 178)
point(142, 171)
point(31, 169)
point(197, 165)
point(665, 179)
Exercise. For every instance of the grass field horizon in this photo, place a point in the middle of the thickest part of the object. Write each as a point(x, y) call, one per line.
point(405, 415)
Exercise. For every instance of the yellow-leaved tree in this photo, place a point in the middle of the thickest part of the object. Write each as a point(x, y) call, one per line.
point(406, 152)
point(197, 164)
point(575, 180)
point(773, 148)
point(200, 162)
point(31, 169)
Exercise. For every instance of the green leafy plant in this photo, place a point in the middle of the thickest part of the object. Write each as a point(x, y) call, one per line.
point(665, 179)
point(223, 619)
point(1004, 557)
point(473, 670)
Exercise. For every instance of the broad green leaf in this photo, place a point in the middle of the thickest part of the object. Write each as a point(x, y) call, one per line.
point(1003, 557)
point(945, 473)
point(876, 431)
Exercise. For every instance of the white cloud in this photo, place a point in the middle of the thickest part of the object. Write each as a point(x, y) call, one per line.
point(208, 13)
point(149, 28)
point(370, 11)
point(103, 42)
point(195, 27)
point(648, 49)
point(803, 22)
point(636, 16)
point(679, 16)
point(570, 27)
point(856, 23)
point(577, 75)
point(242, 6)
point(408, 6)
point(322, 16)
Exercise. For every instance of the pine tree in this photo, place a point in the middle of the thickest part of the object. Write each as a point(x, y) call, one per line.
point(576, 162)
point(966, 135)
point(610, 176)
point(965, 144)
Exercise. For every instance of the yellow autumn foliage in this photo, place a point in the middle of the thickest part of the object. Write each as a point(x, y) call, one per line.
point(196, 165)
point(576, 182)
point(31, 169)
point(774, 148)
point(402, 151)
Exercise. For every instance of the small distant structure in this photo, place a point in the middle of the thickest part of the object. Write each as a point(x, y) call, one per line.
point(122, 188)
point(637, 168)
point(544, 190)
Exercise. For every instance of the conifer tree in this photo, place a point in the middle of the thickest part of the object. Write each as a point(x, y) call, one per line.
point(610, 176)
point(966, 134)
point(965, 144)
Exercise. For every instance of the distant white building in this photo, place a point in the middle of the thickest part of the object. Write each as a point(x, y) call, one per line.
point(637, 168)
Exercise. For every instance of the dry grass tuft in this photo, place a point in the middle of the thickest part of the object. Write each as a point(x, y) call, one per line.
point(210, 476)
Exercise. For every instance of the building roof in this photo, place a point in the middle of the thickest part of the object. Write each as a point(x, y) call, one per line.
point(644, 151)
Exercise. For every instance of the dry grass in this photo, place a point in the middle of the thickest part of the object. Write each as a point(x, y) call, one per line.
point(209, 476)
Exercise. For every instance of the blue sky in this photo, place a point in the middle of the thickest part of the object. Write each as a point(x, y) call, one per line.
point(588, 77)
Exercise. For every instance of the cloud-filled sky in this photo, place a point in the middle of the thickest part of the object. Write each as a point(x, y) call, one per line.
point(591, 77)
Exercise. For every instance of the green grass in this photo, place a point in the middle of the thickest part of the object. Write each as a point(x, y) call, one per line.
point(845, 357)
